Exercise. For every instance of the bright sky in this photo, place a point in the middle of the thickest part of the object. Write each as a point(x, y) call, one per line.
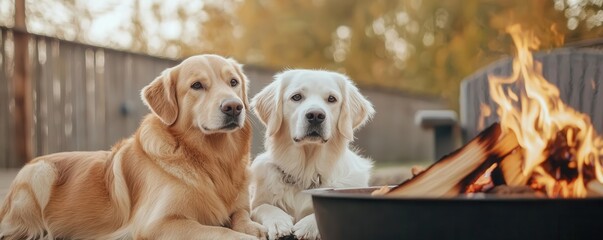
point(6, 12)
point(113, 20)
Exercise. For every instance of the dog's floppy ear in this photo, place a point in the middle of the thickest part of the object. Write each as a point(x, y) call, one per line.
point(356, 110)
point(267, 105)
point(160, 96)
point(243, 78)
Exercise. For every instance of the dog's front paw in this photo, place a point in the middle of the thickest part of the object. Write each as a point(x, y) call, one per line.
point(306, 228)
point(279, 227)
point(252, 228)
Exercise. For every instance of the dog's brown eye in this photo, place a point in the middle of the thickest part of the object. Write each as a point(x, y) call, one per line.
point(233, 82)
point(197, 86)
point(332, 99)
point(296, 97)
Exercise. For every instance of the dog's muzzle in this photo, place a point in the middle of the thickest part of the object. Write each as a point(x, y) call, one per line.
point(315, 117)
point(314, 127)
point(313, 133)
point(232, 109)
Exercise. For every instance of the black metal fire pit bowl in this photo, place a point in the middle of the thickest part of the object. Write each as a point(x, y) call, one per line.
point(354, 214)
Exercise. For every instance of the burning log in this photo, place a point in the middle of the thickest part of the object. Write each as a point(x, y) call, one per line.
point(560, 154)
point(483, 183)
point(510, 170)
point(561, 162)
point(493, 163)
point(453, 173)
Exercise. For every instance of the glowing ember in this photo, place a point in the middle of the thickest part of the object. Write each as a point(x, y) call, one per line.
point(483, 183)
point(561, 151)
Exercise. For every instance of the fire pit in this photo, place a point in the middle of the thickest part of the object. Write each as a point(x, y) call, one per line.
point(354, 214)
point(538, 174)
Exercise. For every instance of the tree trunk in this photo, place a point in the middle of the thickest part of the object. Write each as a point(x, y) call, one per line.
point(22, 88)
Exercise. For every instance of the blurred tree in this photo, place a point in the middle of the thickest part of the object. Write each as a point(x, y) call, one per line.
point(424, 46)
point(66, 19)
point(421, 46)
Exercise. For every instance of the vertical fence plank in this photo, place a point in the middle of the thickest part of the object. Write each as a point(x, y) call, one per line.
point(100, 94)
point(67, 96)
point(9, 58)
point(33, 74)
point(550, 72)
point(563, 82)
point(4, 101)
point(597, 113)
point(587, 96)
point(51, 131)
point(58, 97)
point(576, 81)
point(41, 107)
point(78, 71)
point(142, 79)
point(91, 137)
point(132, 99)
point(115, 120)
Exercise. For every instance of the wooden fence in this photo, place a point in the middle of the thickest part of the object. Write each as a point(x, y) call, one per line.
point(87, 98)
point(84, 97)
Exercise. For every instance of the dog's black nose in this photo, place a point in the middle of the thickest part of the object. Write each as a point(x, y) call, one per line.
point(231, 107)
point(315, 116)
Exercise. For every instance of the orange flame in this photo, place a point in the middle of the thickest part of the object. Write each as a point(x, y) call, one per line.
point(538, 117)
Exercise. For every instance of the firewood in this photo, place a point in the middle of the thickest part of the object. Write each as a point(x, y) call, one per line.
point(450, 175)
point(510, 170)
point(415, 170)
point(381, 191)
point(483, 183)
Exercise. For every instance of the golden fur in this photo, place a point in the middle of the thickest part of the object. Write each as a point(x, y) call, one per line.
point(180, 176)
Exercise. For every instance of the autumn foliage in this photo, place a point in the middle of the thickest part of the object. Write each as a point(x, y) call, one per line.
point(417, 46)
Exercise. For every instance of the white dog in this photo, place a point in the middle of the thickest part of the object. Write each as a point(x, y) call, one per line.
point(310, 118)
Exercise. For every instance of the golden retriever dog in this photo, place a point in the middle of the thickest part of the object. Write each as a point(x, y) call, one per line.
point(310, 118)
point(182, 175)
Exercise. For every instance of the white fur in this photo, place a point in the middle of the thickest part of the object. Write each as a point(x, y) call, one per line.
point(40, 176)
point(283, 208)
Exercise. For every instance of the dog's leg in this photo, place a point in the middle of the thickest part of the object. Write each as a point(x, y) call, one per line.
point(306, 228)
point(277, 222)
point(182, 228)
point(241, 222)
point(22, 212)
